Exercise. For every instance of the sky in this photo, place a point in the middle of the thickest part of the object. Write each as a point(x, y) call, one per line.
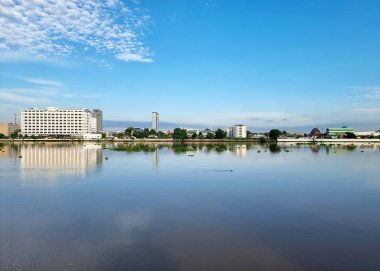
point(199, 63)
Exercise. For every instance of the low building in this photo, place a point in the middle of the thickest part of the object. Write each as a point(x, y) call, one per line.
point(207, 131)
point(190, 132)
point(237, 131)
point(339, 132)
point(368, 134)
point(8, 128)
point(92, 136)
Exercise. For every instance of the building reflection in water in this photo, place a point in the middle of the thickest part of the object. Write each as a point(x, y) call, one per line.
point(241, 150)
point(59, 159)
point(155, 159)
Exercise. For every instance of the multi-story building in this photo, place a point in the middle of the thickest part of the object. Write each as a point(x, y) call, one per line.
point(237, 131)
point(8, 128)
point(98, 114)
point(155, 121)
point(339, 132)
point(55, 121)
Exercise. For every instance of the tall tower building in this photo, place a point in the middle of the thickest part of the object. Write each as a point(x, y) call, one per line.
point(98, 114)
point(155, 121)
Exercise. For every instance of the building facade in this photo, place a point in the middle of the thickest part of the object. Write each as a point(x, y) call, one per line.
point(237, 131)
point(155, 121)
point(339, 132)
point(55, 121)
point(8, 128)
point(98, 115)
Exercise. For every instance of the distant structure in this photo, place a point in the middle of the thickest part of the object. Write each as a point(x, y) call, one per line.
point(55, 121)
point(339, 132)
point(207, 131)
point(155, 121)
point(315, 133)
point(237, 131)
point(8, 128)
point(98, 114)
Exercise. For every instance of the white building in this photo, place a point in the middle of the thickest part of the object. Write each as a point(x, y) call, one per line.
point(55, 121)
point(237, 131)
point(368, 134)
point(155, 121)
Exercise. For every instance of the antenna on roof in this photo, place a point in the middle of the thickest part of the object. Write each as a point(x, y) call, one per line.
point(15, 118)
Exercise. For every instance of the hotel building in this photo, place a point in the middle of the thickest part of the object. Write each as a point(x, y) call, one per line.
point(55, 121)
point(155, 121)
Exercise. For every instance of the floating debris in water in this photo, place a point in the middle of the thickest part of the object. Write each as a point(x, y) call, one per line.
point(190, 155)
point(20, 156)
point(258, 151)
point(106, 158)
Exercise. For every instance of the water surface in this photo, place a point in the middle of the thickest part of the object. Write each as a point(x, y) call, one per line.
point(202, 207)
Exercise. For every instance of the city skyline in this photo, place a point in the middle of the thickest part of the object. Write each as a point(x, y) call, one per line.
point(198, 63)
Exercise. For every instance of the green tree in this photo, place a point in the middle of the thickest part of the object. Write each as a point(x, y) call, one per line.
point(129, 131)
point(274, 134)
point(194, 136)
point(179, 134)
point(220, 134)
point(210, 136)
point(350, 135)
point(152, 132)
point(249, 133)
point(15, 134)
point(2, 136)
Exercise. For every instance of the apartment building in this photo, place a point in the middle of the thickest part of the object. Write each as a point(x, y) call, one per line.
point(237, 131)
point(55, 121)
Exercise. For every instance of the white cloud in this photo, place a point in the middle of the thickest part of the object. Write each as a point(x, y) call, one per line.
point(41, 81)
point(369, 92)
point(368, 110)
point(40, 29)
point(7, 96)
point(133, 57)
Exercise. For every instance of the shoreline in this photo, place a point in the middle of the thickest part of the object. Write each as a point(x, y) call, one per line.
point(190, 141)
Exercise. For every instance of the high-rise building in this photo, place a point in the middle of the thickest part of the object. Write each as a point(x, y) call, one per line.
point(55, 121)
point(155, 121)
point(98, 114)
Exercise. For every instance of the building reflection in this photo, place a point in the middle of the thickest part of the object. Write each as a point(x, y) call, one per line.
point(60, 159)
point(155, 159)
point(241, 150)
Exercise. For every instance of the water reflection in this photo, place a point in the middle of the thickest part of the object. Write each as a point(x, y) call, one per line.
point(230, 207)
point(51, 160)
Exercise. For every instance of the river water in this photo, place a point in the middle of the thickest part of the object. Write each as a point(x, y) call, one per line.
point(200, 207)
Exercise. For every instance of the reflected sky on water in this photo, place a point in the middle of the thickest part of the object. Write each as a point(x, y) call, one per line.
point(194, 207)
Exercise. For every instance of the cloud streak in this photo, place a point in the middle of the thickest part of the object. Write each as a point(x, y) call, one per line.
point(40, 29)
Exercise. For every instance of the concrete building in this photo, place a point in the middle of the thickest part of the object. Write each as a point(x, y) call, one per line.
point(98, 115)
point(237, 131)
point(55, 121)
point(155, 121)
point(8, 128)
point(339, 132)
point(368, 134)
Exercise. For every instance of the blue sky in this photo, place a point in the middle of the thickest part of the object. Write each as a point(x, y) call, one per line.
point(270, 63)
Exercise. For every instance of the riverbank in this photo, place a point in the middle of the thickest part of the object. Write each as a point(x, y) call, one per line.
point(327, 140)
point(195, 141)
